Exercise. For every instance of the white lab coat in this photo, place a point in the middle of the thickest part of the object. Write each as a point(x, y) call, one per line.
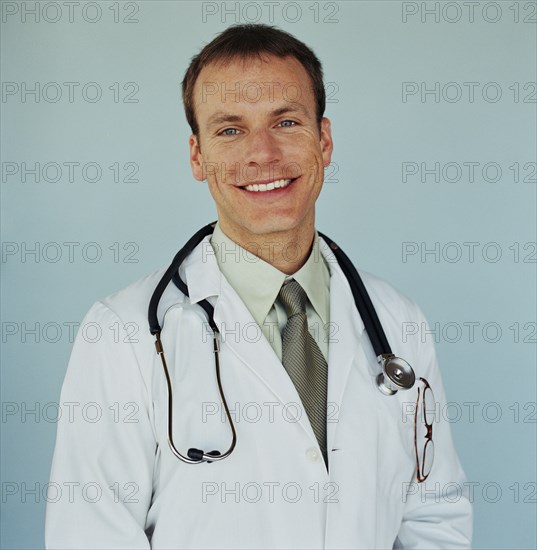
point(117, 485)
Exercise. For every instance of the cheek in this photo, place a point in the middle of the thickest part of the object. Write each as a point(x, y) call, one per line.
point(215, 188)
point(223, 193)
point(225, 170)
point(222, 151)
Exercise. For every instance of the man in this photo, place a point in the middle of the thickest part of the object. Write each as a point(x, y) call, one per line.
point(322, 459)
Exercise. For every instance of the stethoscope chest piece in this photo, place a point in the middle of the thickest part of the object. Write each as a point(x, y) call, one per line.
point(396, 375)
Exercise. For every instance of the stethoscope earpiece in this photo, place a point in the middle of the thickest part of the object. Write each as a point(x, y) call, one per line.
point(396, 374)
point(198, 456)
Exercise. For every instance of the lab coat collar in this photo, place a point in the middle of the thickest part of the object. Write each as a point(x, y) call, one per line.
point(204, 279)
point(200, 272)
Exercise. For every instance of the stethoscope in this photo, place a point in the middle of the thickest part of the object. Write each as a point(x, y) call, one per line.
point(396, 374)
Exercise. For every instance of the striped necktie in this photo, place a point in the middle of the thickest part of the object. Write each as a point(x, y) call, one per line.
point(304, 361)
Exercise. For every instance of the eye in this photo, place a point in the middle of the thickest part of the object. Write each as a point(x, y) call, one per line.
point(290, 125)
point(226, 132)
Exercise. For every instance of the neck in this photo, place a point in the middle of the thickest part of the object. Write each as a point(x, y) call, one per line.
point(287, 251)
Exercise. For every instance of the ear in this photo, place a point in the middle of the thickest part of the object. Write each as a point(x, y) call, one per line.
point(196, 158)
point(327, 145)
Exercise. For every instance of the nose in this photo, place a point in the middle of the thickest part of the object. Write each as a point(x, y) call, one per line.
point(262, 149)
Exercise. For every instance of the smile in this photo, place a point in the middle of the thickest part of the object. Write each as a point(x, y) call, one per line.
point(263, 187)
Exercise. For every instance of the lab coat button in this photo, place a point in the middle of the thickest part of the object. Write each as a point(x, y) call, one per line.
point(313, 454)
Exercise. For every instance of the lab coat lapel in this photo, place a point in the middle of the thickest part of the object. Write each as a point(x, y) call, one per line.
point(239, 332)
point(246, 341)
point(341, 352)
point(345, 333)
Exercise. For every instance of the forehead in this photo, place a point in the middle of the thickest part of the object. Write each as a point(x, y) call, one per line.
point(249, 82)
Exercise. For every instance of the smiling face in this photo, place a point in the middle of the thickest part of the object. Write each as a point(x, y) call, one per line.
point(259, 146)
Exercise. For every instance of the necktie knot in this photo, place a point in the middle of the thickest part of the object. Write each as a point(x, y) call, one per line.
point(293, 297)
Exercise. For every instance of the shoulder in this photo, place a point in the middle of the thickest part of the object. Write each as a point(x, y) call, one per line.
point(135, 293)
point(404, 324)
point(396, 311)
point(391, 305)
point(129, 304)
point(387, 297)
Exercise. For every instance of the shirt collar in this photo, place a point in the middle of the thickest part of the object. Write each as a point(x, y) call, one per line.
point(258, 283)
point(314, 278)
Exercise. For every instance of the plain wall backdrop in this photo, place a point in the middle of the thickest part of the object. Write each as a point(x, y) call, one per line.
point(432, 187)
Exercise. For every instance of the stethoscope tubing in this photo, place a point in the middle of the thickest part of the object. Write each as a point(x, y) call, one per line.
point(363, 303)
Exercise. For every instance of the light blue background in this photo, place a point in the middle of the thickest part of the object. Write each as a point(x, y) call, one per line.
point(367, 55)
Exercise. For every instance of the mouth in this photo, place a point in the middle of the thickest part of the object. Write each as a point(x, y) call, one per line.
point(267, 187)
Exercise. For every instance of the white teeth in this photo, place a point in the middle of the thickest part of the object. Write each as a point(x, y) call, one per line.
point(267, 186)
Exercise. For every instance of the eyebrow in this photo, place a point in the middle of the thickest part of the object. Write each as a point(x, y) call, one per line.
point(221, 117)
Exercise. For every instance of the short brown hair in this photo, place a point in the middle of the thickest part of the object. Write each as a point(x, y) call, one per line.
point(249, 41)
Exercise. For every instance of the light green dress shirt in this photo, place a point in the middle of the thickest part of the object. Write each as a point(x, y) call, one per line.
point(258, 283)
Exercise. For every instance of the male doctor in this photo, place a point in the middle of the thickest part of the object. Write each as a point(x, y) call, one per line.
point(323, 459)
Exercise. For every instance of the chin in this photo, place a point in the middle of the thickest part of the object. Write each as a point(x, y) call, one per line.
point(260, 227)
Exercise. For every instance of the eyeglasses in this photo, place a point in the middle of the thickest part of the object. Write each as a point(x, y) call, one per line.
point(423, 430)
